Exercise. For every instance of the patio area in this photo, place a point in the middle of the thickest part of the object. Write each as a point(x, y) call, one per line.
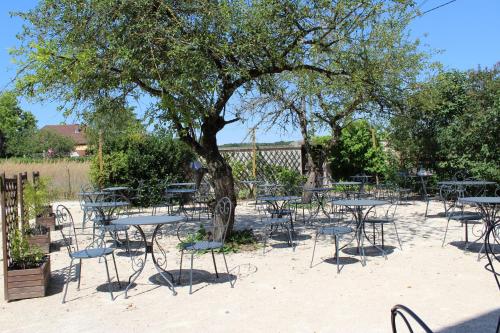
point(447, 287)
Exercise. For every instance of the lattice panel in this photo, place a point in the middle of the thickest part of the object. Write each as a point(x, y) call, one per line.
point(9, 213)
point(267, 161)
point(23, 209)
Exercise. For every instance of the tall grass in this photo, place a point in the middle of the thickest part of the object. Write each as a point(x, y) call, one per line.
point(66, 176)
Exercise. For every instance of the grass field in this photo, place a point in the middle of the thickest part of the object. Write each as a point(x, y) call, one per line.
point(66, 176)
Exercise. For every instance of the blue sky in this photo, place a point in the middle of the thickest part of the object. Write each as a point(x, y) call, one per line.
point(467, 31)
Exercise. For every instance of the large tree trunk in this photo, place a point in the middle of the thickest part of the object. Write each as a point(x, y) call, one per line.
point(223, 181)
point(312, 162)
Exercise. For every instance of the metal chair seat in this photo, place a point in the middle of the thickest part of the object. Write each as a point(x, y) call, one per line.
point(114, 228)
point(92, 253)
point(337, 230)
point(276, 220)
point(381, 220)
point(202, 245)
point(281, 212)
point(466, 217)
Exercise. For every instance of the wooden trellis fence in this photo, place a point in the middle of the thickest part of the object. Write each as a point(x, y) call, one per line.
point(9, 213)
point(13, 213)
point(267, 158)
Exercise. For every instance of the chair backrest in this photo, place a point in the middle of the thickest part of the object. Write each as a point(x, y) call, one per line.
point(403, 312)
point(220, 220)
point(66, 225)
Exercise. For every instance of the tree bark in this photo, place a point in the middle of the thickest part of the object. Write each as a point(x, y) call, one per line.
point(223, 181)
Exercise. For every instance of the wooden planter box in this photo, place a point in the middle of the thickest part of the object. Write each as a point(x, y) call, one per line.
point(42, 241)
point(48, 221)
point(28, 283)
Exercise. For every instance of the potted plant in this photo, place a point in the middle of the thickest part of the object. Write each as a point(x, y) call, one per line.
point(37, 202)
point(29, 272)
point(38, 235)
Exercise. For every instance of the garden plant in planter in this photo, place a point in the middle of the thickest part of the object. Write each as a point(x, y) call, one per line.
point(38, 235)
point(29, 271)
point(37, 201)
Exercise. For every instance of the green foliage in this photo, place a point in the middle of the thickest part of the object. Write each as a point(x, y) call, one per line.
point(152, 159)
point(238, 240)
point(291, 179)
point(23, 254)
point(37, 197)
point(357, 150)
point(58, 145)
point(16, 126)
point(452, 124)
point(116, 121)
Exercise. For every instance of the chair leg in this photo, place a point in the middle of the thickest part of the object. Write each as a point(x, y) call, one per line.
point(180, 267)
point(426, 208)
point(191, 275)
point(215, 265)
point(290, 237)
point(67, 281)
point(314, 249)
point(397, 235)
point(79, 274)
point(265, 241)
point(109, 278)
point(227, 269)
point(336, 240)
point(445, 232)
point(116, 269)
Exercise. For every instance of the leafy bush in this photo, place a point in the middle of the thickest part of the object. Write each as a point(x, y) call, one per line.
point(356, 151)
point(451, 124)
point(23, 254)
point(37, 197)
point(151, 160)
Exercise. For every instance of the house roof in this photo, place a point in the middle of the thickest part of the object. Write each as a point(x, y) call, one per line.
point(73, 131)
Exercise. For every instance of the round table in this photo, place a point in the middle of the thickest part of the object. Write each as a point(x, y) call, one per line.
point(183, 194)
point(489, 209)
point(116, 189)
point(356, 206)
point(319, 193)
point(348, 187)
point(279, 208)
point(160, 263)
point(487, 205)
point(104, 208)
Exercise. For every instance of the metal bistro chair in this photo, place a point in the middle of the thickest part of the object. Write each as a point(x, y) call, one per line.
point(337, 231)
point(458, 213)
point(274, 218)
point(491, 245)
point(209, 237)
point(403, 312)
point(385, 217)
point(93, 250)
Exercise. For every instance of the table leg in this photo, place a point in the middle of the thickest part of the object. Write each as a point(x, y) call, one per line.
point(161, 261)
point(137, 263)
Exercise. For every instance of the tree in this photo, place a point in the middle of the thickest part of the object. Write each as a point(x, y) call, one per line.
point(16, 126)
point(54, 144)
point(451, 124)
point(358, 150)
point(115, 120)
point(191, 57)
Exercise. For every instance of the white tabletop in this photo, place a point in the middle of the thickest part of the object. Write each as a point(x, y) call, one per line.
point(149, 220)
point(359, 202)
point(481, 200)
point(116, 188)
point(181, 190)
point(347, 183)
point(279, 198)
point(467, 182)
point(105, 204)
point(181, 184)
point(318, 189)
